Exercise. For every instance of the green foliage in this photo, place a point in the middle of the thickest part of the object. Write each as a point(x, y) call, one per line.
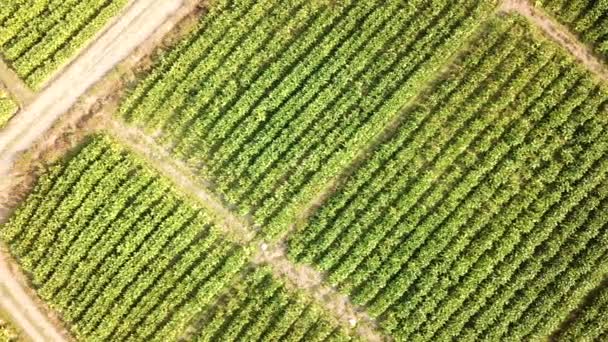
point(484, 215)
point(275, 98)
point(587, 19)
point(116, 251)
point(260, 308)
point(589, 322)
point(8, 106)
point(9, 333)
point(37, 37)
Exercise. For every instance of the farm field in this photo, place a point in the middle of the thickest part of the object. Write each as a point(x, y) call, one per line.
point(8, 106)
point(484, 215)
point(587, 19)
point(38, 37)
point(145, 264)
point(260, 308)
point(304, 170)
point(284, 93)
point(135, 266)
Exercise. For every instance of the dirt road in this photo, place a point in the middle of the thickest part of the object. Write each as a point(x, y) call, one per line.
point(138, 22)
point(23, 310)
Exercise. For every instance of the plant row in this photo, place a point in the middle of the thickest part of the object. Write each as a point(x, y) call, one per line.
point(590, 321)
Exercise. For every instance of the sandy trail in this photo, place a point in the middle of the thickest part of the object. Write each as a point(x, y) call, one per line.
point(138, 22)
point(559, 33)
point(23, 310)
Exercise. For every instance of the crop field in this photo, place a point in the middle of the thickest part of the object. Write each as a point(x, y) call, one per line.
point(259, 308)
point(9, 333)
point(484, 215)
point(38, 36)
point(312, 170)
point(116, 251)
point(587, 19)
point(8, 106)
point(284, 93)
point(122, 256)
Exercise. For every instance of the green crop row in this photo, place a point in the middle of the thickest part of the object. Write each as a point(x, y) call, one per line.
point(260, 308)
point(8, 106)
point(587, 19)
point(275, 98)
point(38, 37)
point(484, 214)
point(116, 251)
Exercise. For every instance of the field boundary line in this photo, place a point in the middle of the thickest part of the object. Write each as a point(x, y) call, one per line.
point(15, 86)
point(558, 33)
point(312, 282)
point(239, 229)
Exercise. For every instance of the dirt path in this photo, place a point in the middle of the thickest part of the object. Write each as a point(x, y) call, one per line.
point(239, 230)
point(18, 89)
point(236, 227)
point(559, 33)
point(23, 310)
point(136, 24)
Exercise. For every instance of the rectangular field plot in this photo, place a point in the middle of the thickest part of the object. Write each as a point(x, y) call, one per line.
point(587, 19)
point(38, 36)
point(274, 98)
point(485, 214)
point(260, 308)
point(116, 251)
